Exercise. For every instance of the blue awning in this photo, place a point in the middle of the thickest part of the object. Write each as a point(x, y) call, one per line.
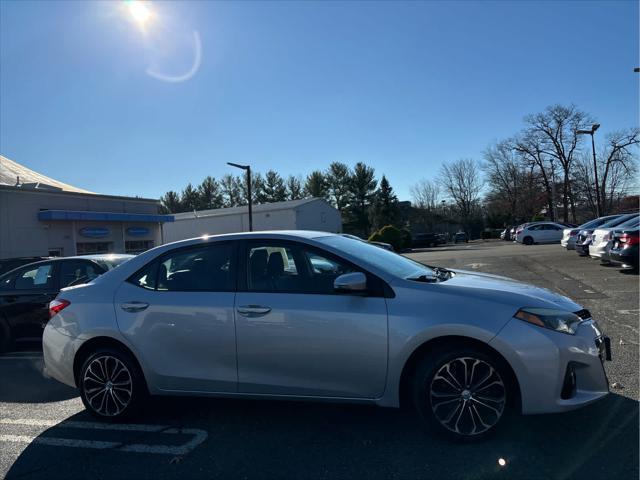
point(102, 216)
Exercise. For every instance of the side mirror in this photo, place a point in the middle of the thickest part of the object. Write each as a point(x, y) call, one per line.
point(351, 282)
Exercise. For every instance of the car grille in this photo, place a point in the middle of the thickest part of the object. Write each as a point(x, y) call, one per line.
point(583, 314)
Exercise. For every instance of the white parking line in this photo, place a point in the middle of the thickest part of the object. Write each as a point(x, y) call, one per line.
point(198, 435)
point(629, 312)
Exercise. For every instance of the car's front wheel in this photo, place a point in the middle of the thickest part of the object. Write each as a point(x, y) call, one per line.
point(111, 384)
point(527, 241)
point(463, 392)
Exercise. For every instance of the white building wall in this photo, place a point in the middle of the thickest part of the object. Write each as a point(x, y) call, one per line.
point(318, 215)
point(184, 228)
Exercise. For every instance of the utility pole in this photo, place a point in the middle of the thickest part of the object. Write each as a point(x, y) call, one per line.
point(246, 168)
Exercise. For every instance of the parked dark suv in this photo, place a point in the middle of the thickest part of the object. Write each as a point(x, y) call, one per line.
point(25, 292)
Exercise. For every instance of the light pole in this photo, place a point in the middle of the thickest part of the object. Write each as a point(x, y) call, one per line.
point(554, 211)
point(247, 168)
point(594, 127)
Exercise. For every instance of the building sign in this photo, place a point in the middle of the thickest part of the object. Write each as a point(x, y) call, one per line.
point(94, 232)
point(137, 231)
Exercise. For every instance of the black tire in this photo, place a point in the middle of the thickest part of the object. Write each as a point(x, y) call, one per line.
point(527, 241)
point(6, 339)
point(465, 405)
point(123, 392)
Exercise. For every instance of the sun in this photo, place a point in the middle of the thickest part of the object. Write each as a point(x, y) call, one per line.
point(140, 12)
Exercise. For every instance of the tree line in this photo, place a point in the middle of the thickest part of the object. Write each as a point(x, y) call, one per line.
point(543, 171)
point(546, 170)
point(365, 203)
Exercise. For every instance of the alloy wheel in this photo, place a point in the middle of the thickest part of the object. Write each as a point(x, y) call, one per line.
point(467, 396)
point(107, 385)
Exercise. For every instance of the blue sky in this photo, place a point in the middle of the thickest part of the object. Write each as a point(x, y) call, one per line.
point(294, 86)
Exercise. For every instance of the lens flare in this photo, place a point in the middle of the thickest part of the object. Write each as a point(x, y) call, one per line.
point(140, 12)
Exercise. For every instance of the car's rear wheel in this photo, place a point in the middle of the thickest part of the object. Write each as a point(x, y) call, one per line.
point(463, 393)
point(527, 241)
point(111, 384)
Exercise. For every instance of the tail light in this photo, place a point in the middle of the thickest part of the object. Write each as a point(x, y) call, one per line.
point(629, 239)
point(573, 233)
point(57, 305)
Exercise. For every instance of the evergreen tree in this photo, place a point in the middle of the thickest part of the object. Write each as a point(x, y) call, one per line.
point(315, 185)
point(384, 210)
point(231, 191)
point(338, 184)
point(210, 194)
point(190, 198)
point(274, 187)
point(170, 202)
point(363, 184)
point(257, 189)
point(294, 188)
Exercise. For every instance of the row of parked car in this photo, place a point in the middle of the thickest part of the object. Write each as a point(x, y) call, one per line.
point(612, 238)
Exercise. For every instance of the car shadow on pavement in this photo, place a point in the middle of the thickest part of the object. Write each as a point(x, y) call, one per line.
point(267, 439)
point(22, 380)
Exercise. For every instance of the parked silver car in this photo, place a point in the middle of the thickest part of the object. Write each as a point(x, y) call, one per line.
point(319, 316)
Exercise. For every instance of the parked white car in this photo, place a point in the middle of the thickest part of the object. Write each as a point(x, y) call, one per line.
point(543, 232)
point(601, 239)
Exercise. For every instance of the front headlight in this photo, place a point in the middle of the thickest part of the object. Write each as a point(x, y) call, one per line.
point(558, 320)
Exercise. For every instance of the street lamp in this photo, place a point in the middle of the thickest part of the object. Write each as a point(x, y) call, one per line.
point(247, 168)
point(594, 127)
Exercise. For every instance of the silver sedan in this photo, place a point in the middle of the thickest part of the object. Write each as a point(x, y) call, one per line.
point(311, 315)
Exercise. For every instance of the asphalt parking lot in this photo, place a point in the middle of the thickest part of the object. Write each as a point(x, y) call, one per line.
point(45, 433)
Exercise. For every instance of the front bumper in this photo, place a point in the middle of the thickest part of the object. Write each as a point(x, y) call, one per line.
point(540, 359)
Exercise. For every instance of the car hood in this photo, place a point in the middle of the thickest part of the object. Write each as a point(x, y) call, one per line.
point(507, 291)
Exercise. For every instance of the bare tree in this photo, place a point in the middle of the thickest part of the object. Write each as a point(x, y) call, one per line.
point(529, 146)
point(617, 171)
point(462, 182)
point(556, 131)
point(513, 183)
point(426, 194)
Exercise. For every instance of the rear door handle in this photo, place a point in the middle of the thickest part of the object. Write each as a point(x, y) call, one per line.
point(253, 310)
point(133, 307)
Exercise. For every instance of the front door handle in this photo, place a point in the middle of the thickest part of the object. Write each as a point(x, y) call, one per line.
point(133, 307)
point(253, 310)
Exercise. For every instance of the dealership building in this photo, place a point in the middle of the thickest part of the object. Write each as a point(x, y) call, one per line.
point(40, 216)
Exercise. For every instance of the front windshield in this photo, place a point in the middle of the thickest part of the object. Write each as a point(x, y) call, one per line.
point(385, 260)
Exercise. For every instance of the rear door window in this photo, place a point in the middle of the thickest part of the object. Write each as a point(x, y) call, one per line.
point(39, 277)
point(208, 268)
